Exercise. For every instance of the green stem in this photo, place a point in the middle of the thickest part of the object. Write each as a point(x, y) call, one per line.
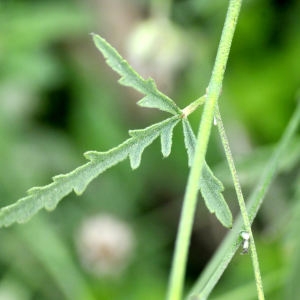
point(190, 198)
point(225, 252)
point(241, 202)
point(193, 106)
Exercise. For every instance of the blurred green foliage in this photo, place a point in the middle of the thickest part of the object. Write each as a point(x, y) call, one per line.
point(58, 99)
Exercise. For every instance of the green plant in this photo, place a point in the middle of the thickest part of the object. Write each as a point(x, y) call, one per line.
point(201, 177)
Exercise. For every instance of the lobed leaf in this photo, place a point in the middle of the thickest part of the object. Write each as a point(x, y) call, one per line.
point(189, 140)
point(129, 77)
point(166, 139)
point(211, 187)
point(77, 180)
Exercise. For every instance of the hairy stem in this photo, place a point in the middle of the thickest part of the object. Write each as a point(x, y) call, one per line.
point(193, 106)
point(190, 198)
point(241, 202)
point(225, 252)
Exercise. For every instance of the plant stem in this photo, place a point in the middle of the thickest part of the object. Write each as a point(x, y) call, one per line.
point(241, 202)
point(225, 252)
point(190, 198)
point(193, 106)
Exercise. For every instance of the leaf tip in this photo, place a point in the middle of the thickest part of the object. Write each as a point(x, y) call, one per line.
point(58, 178)
point(79, 190)
point(134, 162)
point(91, 155)
point(33, 190)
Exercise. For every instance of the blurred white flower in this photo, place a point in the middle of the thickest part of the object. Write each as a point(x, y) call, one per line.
point(105, 245)
point(157, 48)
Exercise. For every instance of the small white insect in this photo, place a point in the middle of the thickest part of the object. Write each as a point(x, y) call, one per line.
point(246, 241)
point(215, 121)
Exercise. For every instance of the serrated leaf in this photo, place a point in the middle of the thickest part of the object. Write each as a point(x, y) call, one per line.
point(136, 151)
point(211, 187)
point(189, 140)
point(211, 190)
point(77, 180)
point(147, 136)
point(166, 139)
point(129, 77)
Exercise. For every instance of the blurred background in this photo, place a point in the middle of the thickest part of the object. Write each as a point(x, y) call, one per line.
point(58, 99)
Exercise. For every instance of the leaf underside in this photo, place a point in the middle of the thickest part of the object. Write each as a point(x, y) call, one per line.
point(129, 77)
point(49, 196)
point(211, 187)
